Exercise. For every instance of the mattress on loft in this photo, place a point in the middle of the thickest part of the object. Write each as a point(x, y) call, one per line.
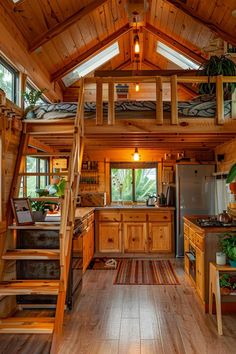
point(202, 106)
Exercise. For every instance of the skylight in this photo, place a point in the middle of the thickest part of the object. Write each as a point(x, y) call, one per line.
point(91, 64)
point(175, 57)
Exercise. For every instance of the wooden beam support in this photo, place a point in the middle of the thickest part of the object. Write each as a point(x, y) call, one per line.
point(174, 99)
point(219, 100)
point(62, 26)
point(173, 43)
point(111, 104)
point(99, 104)
point(90, 52)
point(212, 26)
point(151, 73)
point(159, 101)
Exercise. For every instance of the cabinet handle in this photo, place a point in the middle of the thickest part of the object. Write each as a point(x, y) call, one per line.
point(165, 217)
point(110, 240)
point(133, 239)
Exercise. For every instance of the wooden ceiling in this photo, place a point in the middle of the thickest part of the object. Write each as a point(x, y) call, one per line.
point(64, 32)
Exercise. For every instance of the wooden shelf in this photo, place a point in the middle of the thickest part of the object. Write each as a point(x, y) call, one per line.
point(27, 325)
point(29, 287)
point(32, 254)
point(38, 226)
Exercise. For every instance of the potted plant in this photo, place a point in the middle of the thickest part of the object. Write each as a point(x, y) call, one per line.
point(231, 179)
point(228, 246)
point(227, 284)
point(55, 189)
point(39, 210)
point(215, 66)
point(31, 98)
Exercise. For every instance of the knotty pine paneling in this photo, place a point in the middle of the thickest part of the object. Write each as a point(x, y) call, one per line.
point(229, 150)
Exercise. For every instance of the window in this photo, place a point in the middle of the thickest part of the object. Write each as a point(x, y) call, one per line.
point(91, 64)
point(29, 184)
point(177, 58)
point(8, 80)
point(133, 182)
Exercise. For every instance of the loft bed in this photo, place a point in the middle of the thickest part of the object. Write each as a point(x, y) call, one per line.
point(201, 106)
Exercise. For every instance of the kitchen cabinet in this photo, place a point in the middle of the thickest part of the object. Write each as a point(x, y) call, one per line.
point(200, 247)
point(159, 237)
point(109, 237)
point(88, 246)
point(121, 230)
point(134, 236)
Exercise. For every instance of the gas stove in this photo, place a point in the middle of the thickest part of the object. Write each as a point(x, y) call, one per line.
point(212, 222)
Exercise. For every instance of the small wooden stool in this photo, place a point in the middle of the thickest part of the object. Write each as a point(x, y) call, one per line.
point(215, 289)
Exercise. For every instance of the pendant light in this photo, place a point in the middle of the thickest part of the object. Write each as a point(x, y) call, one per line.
point(136, 44)
point(137, 87)
point(136, 155)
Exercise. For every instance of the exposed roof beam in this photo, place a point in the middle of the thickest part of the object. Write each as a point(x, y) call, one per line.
point(62, 26)
point(212, 26)
point(90, 52)
point(128, 73)
point(173, 43)
point(151, 65)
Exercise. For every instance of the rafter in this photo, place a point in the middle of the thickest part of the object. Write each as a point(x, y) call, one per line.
point(212, 26)
point(151, 73)
point(173, 43)
point(92, 51)
point(62, 26)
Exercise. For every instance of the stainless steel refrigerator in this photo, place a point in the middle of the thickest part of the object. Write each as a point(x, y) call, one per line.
point(195, 194)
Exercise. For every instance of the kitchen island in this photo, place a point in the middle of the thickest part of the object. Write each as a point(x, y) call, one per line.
point(200, 247)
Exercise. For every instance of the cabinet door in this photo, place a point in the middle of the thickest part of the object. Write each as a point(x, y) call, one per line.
point(200, 273)
point(135, 236)
point(160, 237)
point(88, 246)
point(109, 237)
point(186, 259)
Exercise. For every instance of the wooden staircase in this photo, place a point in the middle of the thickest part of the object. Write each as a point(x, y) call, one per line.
point(42, 132)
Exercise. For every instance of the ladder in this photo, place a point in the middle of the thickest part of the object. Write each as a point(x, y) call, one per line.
point(68, 130)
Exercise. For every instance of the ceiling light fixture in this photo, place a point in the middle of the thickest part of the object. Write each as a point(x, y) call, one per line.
point(136, 155)
point(137, 87)
point(136, 44)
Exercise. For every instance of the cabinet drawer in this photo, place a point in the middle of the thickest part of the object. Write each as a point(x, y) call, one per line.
point(191, 235)
point(186, 230)
point(159, 216)
point(129, 216)
point(199, 242)
point(109, 216)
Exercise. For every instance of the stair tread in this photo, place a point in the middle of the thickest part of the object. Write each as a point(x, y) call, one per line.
point(27, 325)
point(29, 287)
point(32, 254)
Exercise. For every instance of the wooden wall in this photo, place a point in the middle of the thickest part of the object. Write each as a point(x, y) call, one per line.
point(229, 151)
point(14, 46)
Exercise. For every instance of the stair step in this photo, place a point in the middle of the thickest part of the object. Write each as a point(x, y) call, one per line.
point(34, 254)
point(29, 287)
point(27, 325)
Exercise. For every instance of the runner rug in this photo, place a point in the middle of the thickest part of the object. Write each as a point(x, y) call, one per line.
point(145, 272)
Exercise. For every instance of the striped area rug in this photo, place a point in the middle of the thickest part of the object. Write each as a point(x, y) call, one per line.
point(145, 272)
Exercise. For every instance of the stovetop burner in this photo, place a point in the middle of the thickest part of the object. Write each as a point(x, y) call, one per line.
point(212, 222)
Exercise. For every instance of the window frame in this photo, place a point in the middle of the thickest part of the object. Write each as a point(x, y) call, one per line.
point(30, 85)
point(133, 166)
point(15, 83)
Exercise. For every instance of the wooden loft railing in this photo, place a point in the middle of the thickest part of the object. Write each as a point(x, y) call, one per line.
point(174, 80)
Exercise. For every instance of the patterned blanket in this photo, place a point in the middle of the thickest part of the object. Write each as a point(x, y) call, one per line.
point(202, 106)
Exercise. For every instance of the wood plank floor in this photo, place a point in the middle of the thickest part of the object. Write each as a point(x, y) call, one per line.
point(116, 319)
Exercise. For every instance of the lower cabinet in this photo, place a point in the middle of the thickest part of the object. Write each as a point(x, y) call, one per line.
point(109, 234)
point(134, 236)
point(134, 231)
point(200, 273)
point(88, 246)
point(159, 237)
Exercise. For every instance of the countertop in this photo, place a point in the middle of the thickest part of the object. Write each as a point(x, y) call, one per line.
point(134, 207)
point(81, 212)
point(208, 229)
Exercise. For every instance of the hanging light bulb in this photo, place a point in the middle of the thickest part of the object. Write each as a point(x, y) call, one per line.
point(137, 87)
point(136, 44)
point(136, 155)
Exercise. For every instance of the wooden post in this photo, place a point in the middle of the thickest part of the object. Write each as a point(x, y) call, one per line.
point(23, 80)
point(159, 101)
point(219, 100)
point(174, 99)
point(99, 107)
point(111, 104)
